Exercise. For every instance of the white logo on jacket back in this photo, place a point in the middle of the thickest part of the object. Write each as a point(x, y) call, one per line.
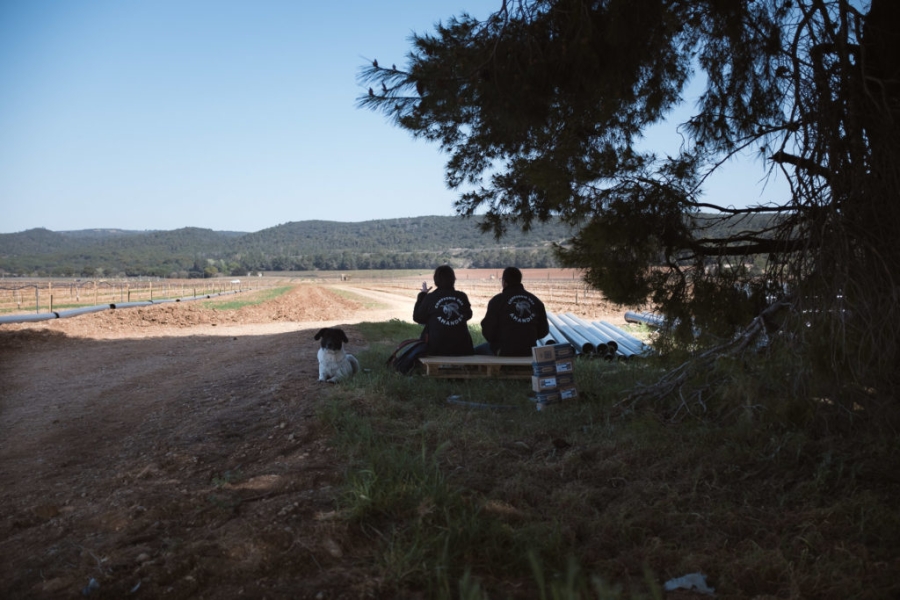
point(449, 312)
point(521, 309)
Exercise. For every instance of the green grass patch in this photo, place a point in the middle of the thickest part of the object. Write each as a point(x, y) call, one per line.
point(359, 298)
point(225, 301)
point(588, 500)
point(251, 299)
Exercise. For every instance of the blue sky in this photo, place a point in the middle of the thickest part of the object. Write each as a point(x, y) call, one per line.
point(221, 114)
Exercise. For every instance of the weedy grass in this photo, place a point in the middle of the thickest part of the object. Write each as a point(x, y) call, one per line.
point(251, 299)
point(588, 499)
point(365, 301)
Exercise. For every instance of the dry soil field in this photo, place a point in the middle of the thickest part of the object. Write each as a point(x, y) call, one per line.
point(173, 451)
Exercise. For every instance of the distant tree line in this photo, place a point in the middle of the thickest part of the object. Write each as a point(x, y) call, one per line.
point(414, 243)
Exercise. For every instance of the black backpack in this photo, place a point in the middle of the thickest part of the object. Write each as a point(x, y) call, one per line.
point(406, 356)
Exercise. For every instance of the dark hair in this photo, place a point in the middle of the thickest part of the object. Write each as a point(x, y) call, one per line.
point(512, 276)
point(444, 277)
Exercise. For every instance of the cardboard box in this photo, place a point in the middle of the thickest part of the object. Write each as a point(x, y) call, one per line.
point(565, 379)
point(543, 354)
point(564, 351)
point(543, 382)
point(552, 352)
point(553, 367)
point(548, 397)
point(556, 395)
point(568, 393)
point(542, 369)
point(540, 383)
point(566, 365)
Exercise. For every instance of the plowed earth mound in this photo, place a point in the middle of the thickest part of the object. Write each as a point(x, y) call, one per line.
point(172, 451)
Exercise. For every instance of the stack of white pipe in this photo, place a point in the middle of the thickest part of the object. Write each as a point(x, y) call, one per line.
point(581, 343)
point(598, 337)
point(630, 343)
point(603, 344)
point(554, 337)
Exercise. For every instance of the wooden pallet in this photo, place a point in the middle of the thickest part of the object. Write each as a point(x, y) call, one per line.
point(469, 367)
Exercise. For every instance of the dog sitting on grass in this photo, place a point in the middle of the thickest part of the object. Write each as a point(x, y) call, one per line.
point(334, 363)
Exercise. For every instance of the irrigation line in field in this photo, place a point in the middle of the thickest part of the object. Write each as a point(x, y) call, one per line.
point(63, 314)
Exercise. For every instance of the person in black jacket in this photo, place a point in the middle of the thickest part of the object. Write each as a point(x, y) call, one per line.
point(515, 319)
point(445, 313)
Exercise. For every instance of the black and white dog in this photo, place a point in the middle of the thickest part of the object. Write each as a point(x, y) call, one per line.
point(334, 363)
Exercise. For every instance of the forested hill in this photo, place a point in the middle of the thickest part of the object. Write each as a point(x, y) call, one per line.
point(417, 242)
point(418, 234)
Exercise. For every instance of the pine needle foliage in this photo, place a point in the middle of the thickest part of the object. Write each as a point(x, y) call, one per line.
point(541, 107)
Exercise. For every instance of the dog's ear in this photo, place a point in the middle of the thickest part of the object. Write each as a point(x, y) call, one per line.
point(344, 337)
point(319, 335)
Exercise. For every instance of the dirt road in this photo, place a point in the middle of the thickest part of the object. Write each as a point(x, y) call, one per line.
point(172, 451)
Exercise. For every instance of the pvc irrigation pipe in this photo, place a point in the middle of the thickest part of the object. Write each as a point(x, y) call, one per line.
point(639, 344)
point(647, 318)
point(556, 335)
point(28, 318)
point(74, 312)
point(606, 345)
point(629, 341)
point(625, 341)
point(607, 338)
point(612, 342)
point(625, 349)
point(130, 304)
point(601, 345)
point(577, 340)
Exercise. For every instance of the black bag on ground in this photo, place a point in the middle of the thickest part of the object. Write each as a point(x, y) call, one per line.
point(405, 358)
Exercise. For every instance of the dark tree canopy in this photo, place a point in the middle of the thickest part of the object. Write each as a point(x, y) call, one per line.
point(540, 108)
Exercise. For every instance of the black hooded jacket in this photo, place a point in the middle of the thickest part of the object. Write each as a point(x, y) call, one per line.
point(514, 322)
point(445, 313)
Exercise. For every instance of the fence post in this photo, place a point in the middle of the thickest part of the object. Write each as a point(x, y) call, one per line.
point(37, 300)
